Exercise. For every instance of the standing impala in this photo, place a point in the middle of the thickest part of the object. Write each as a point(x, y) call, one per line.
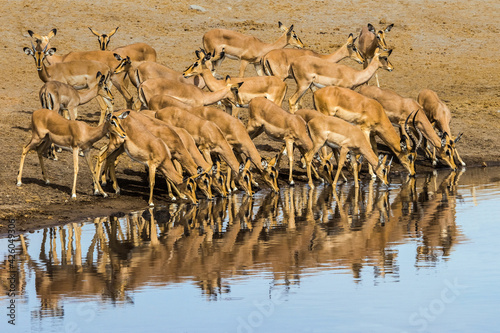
point(186, 93)
point(246, 48)
point(269, 87)
point(399, 108)
point(49, 127)
point(370, 116)
point(58, 96)
point(309, 71)
point(142, 146)
point(369, 41)
point(440, 116)
point(279, 125)
point(338, 133)
point(136, 51)
point(278, 62)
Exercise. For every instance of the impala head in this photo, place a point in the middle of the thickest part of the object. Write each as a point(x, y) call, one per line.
point(235, 90)
point(218, 180)
point(354, 164)
point(383, 59)
point(202, 59)
point(114, 123)
point(447, 150)
point(383, 169)
point(42, 41)
point(354, 53)
point(291, 36)
point(103, 38)
point(204, 183)
point(38, 55)
point(409, 145)
point(381, 36)
point(324, 167)
point(103, 87)
point(245, 177)
point(123, 64)
point(188, 189)
point(270, 173)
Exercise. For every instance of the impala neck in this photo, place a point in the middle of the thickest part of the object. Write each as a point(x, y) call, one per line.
point(389, 135)
point(366, 74)
point(87, 94)
point(338, 55)
point(94, 134)
point(212, 83)
point(278, 44)
point(211, 97)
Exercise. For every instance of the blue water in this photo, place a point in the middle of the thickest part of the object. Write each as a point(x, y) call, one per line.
point(386, 260)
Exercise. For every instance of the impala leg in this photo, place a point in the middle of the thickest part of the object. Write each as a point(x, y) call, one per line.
point(259, 69)
point(289, 151)
point(308, 157)
point(254, 130)
point(97, 187)
point(340, 164)
point(243, 66)
point(458, 157)
point(110, 165)
point(152, 173)
point(75, 171)
point(293, 102)
point(373, 143)
point(103, 107)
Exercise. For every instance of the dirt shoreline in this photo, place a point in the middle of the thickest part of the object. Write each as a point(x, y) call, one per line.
point(444, 46)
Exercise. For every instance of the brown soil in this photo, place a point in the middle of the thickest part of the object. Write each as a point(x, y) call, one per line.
point(447, 46)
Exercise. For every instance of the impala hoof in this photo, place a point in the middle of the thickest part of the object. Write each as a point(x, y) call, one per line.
point(47, 181)
point(117, 191)
point(292, 183)
point(73, 196)
point(151, 204)
point(19, 183)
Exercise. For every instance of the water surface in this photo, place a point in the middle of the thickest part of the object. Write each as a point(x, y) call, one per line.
point(421, 255)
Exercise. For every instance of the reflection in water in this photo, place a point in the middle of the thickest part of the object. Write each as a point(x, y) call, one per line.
point(287, 235)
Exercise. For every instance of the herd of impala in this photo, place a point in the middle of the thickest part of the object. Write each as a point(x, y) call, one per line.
point(169, 126)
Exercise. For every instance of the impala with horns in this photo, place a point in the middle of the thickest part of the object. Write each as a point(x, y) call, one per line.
point(308, 71)
point(370, 116)
point(186, 93)
point(279, 125)
point(180, 155)
point(269, 87)
point(339, 134)
point(49, 127)
point(210, 140)
point(136, 51)
point(278, 62)
point(237, 136)
point(440, 116)
point(145, 148)
point(369, 41)
point(63, 98)
point(399, 108)
point(248, 49)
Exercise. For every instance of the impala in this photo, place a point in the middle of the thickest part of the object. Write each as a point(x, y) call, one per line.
point(209, 140)
point(370, 116)
point(60, 97)
point(140, 71)
point(136, 51)
point(369, 41)
point(269, 87)
point(186, 93)
point(309, 71)
point(279, 125)
point(237, 136)
point(399, 108)
point(49, 127)
point(247, 49)
point(142, 146)
point(339, 134)
point(440, 116)
point(177, 148)
point(278, 62)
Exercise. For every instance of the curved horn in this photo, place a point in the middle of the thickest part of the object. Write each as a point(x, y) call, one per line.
point(420, 136)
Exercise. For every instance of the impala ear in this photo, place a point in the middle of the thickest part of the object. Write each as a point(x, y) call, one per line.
point(52, 33)
point(264, 163)
point(117, 57)
point(94, 32)
point(371, 28)
point(108, 116)
point(28, 51)
point(329, 156)
point(281, 26)
point(51, 51)
point(124, 115)
point(289, 31)
point(113, 32)
point(199, 170)
point(389, 27)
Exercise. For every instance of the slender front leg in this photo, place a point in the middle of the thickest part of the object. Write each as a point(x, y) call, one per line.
point(75, 171)
point(152, 174)
point(340, 164)
point(30, 146)
point(293, 102)
point(95, 180)
point(243, 66)
point(289, 151)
